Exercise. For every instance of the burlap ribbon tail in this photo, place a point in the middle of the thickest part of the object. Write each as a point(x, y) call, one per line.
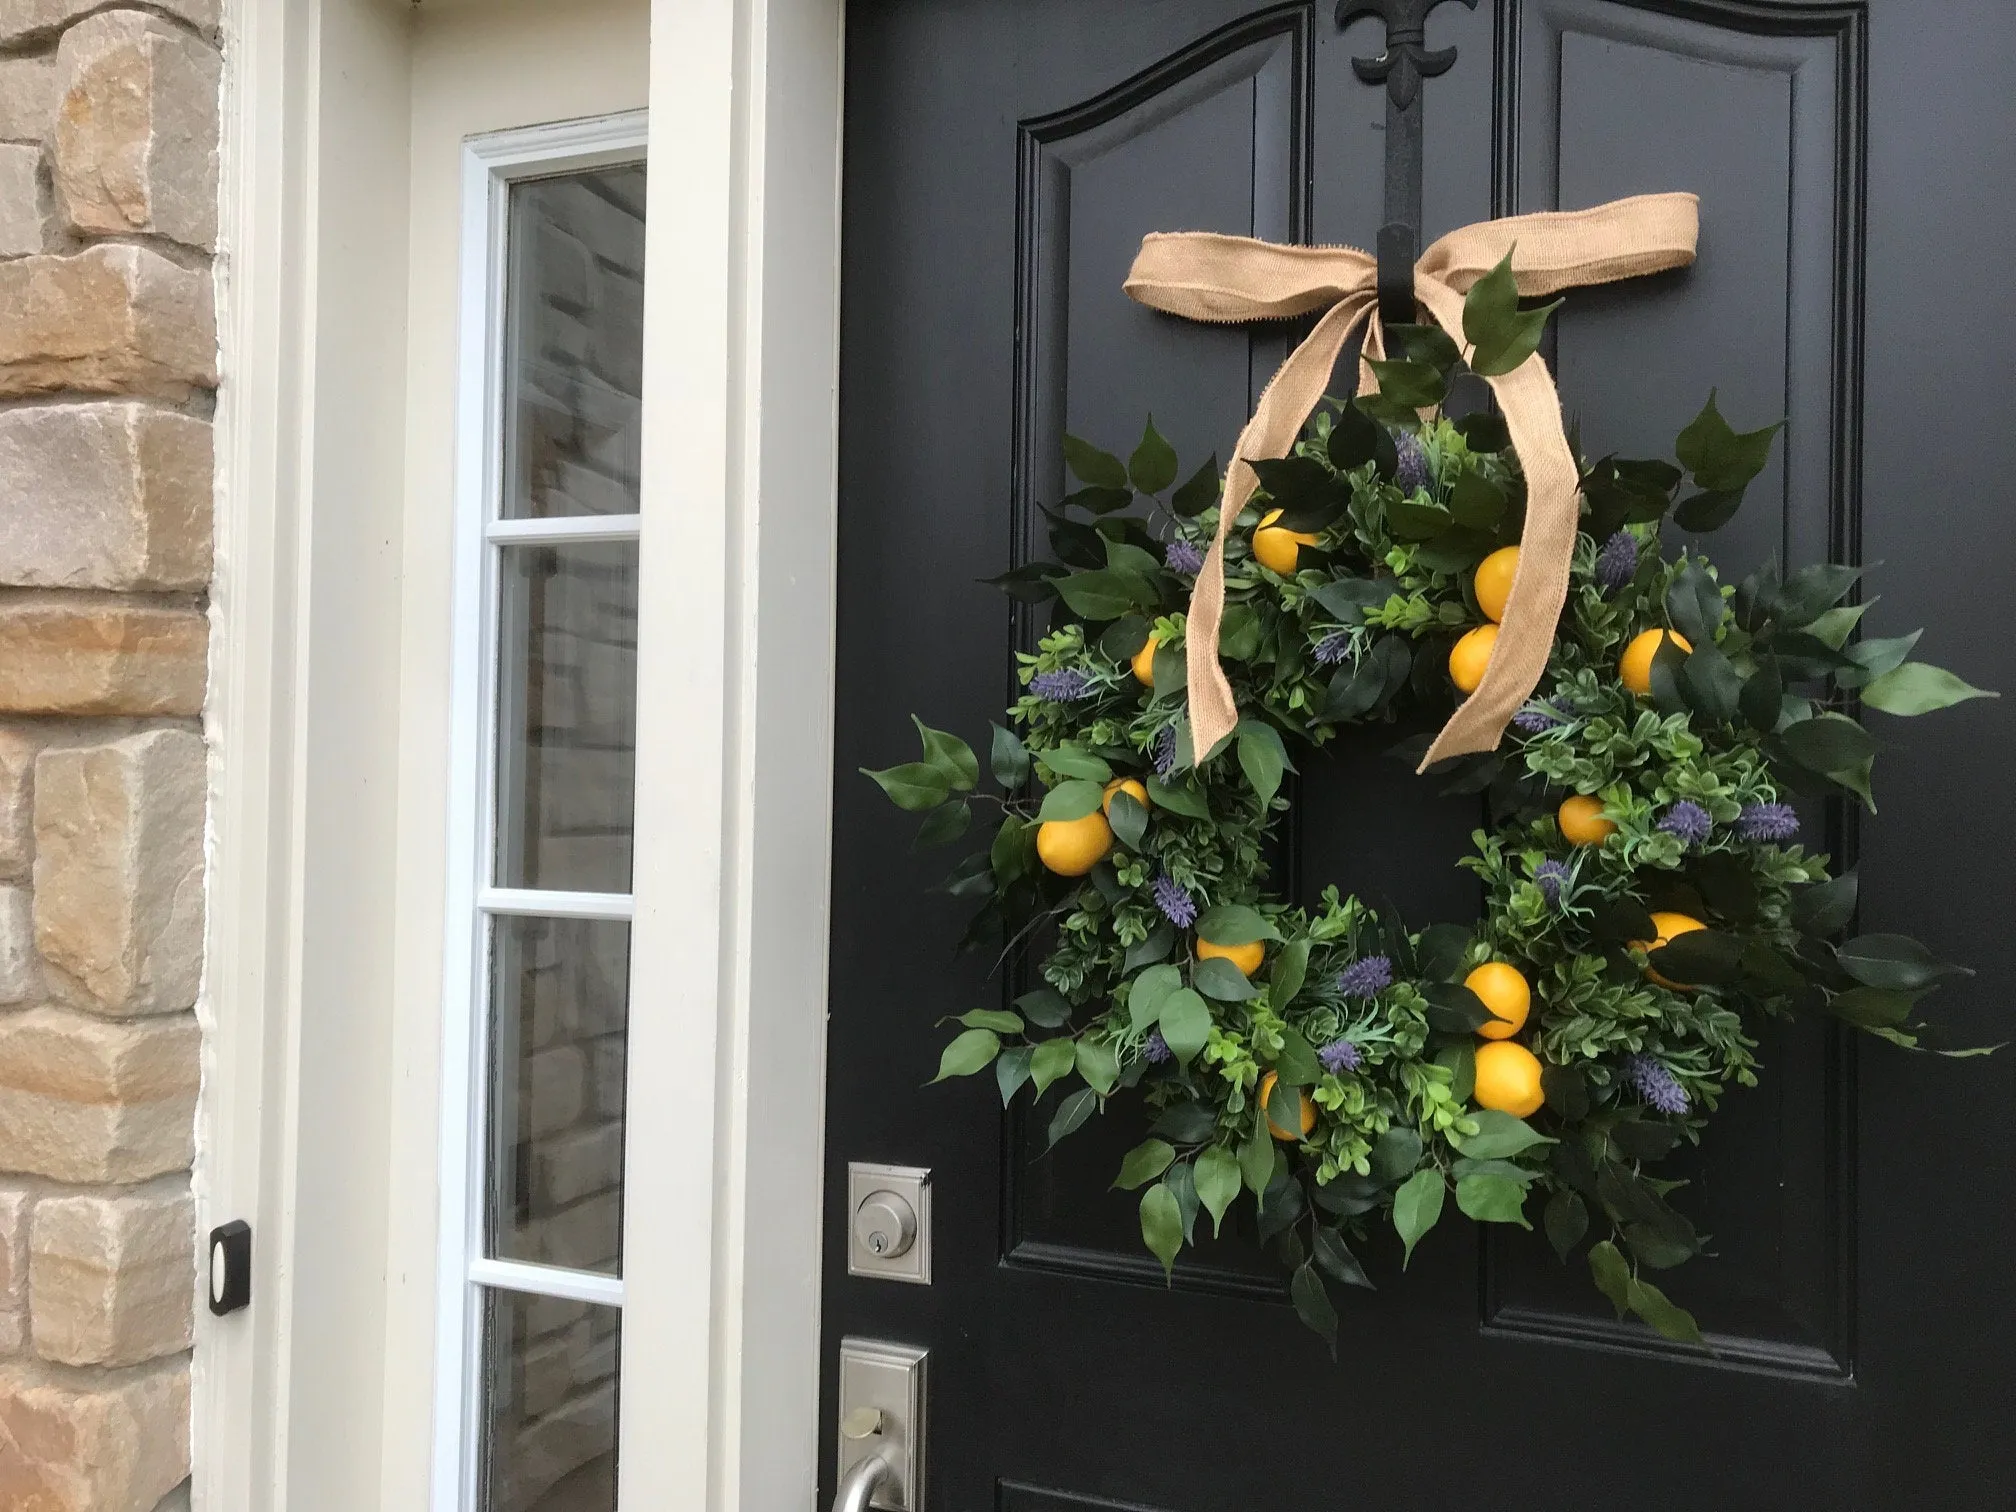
point(1202, 275)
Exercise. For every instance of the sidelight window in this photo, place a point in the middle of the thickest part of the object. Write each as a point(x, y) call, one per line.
point(544, 712)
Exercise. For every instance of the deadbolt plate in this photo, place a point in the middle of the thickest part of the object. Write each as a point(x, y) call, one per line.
point(913, 1185)
point(887, 1380)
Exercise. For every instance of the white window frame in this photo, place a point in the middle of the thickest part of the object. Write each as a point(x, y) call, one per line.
point(491, 165)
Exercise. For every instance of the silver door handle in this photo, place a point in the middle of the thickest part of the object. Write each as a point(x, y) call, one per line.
point(859, 1484)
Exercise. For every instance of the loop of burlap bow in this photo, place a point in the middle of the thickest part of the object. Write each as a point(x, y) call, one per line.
point(1201, 275)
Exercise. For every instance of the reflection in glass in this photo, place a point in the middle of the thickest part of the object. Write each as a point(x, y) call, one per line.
point(559, 1003)
point(574, 344)
point(566, 715)
point(549, 1404)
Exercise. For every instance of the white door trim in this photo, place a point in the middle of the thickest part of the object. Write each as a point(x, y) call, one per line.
point(722, 1255)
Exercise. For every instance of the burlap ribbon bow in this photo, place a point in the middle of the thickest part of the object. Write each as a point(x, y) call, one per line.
point(1201, 275)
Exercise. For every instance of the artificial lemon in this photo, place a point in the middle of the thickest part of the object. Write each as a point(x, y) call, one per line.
point(1470, 656)
point(1582, 822)
point(1504, 991)
point(1275, 547)
point(1508, 1079)
point(1072, 847)
point(1246, 957)
point(1128, 785)
point(1670, 927)
point(1308, 1109)
point(1635, 667)
point(1493, 582)
point(1144, 663)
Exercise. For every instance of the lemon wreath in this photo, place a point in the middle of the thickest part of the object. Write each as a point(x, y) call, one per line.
point(1647, 900)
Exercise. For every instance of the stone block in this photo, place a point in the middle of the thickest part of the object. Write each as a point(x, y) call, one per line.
point(107, 320)
point(19, 980)
point(587, 1236)
point(26, 21)
point(85, 1100)
point(111, 495)
point(579, 1163)
point(20, 198)
point(116, 1443)
point(63, 655)
point(17, 803)
point(112, 1277)
point(558, 1090)
point(28, 91)
point(119, 872)
point(134, 145)
point(15, 1206)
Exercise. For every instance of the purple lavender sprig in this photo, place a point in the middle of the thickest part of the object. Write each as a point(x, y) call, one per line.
point(1768, 823)
point(1334, 648)
point(1155, 1049)
point(1411, 462)
point(1067, 685)
point(1365, 976)
point(1183, 557)
point(1339, 1056)
point(1534, 718)
point(1617, 562)
point(1552, 878)
point(1687, 822)
point(1177, 906)
point(1659, 1087)
point(1165, 753)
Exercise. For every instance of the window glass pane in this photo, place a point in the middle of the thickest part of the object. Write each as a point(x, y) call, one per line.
point(559, 1000)
point(566, 715)
point(574, 344)
point(549, 1404)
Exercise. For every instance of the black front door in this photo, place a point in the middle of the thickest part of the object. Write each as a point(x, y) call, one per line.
point(1854, 161)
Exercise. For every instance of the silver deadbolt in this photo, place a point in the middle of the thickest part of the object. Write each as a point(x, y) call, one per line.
point(889, 1222)
point(885, 1225)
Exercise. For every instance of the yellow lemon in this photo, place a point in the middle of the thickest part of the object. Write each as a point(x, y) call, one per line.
point(1582, 822)
point(1635, 667)
point(1127, 785)
point(1670, 926)
point(1246, 957)
point(1144, 663)
point(1508, 1079)
point(1072, 847)
point(1470, 656)
point(1277, 548)
point(1504, 991)
point(1308, 1110)
point(1493, 582)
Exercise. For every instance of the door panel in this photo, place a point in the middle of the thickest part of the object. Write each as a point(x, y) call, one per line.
point(1003, 161)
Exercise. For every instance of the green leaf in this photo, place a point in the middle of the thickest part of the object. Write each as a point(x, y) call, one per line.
point(1291, 968)
point(1491, 1198)
point(1460, 1061)
point(1144, 1163)
point(1919, 688)
point(1566, 1220)
point(1694, 604)
point(1129, 817)
point(1161, 940)
point(1414, 385)
point(1091, 465)
point(1069, 761)
point(1046, 1007)
point(1104, 594)
point(1199, 493)
point(1054, 1059)
point(1257, 1156)
point(1009, 758)
point(1071, 800)
point(1873, 1007)
point(1217, 1178)
point(1347, 599)
point(1099, 501)
point(1699, 958)
point(1218, 978)
point(1711, 683)
point(970, 1052)
point(1415, 519)
point(1011, 1071)
point(992, 1018)
point(1394, 1154)
point(1313, 1305)
point(950, 755)
point(1824, 909)
point(1186, 1024)
point(1477, 503)
point(1335, 1257)
point(943, 825)
point(1895, 962)
point(1356, 438)
point(1071, 1115)
point(1484, 431)
point(1011, 854)
point(1171, 671)
point(1502, 334)
point(1498, 1135)
point(1428, 344)
point(1152, 468)
point(1099, 1064)
point(1235, 924)
point(1810, 592)
point(913, 785)
point(1151, 990)
point(1162, 1226)
point(1763, 697)
point(1722, 459)
point(1708, 510)
point(1177, 799)
point(1835, 626)
point(1416, 1207)
point(1829, 744)
point(1612, 1275)
point(1262, 757)
point(1454, 1008)
point(1652, 1304)
point(1295, 1063)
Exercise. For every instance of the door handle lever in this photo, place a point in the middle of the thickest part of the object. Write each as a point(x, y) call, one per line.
point(859, 1485)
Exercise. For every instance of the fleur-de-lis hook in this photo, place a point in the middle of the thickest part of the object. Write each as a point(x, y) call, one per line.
point(1407, 59)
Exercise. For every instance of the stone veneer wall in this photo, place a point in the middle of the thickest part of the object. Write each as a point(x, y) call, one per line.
point(108, 221)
